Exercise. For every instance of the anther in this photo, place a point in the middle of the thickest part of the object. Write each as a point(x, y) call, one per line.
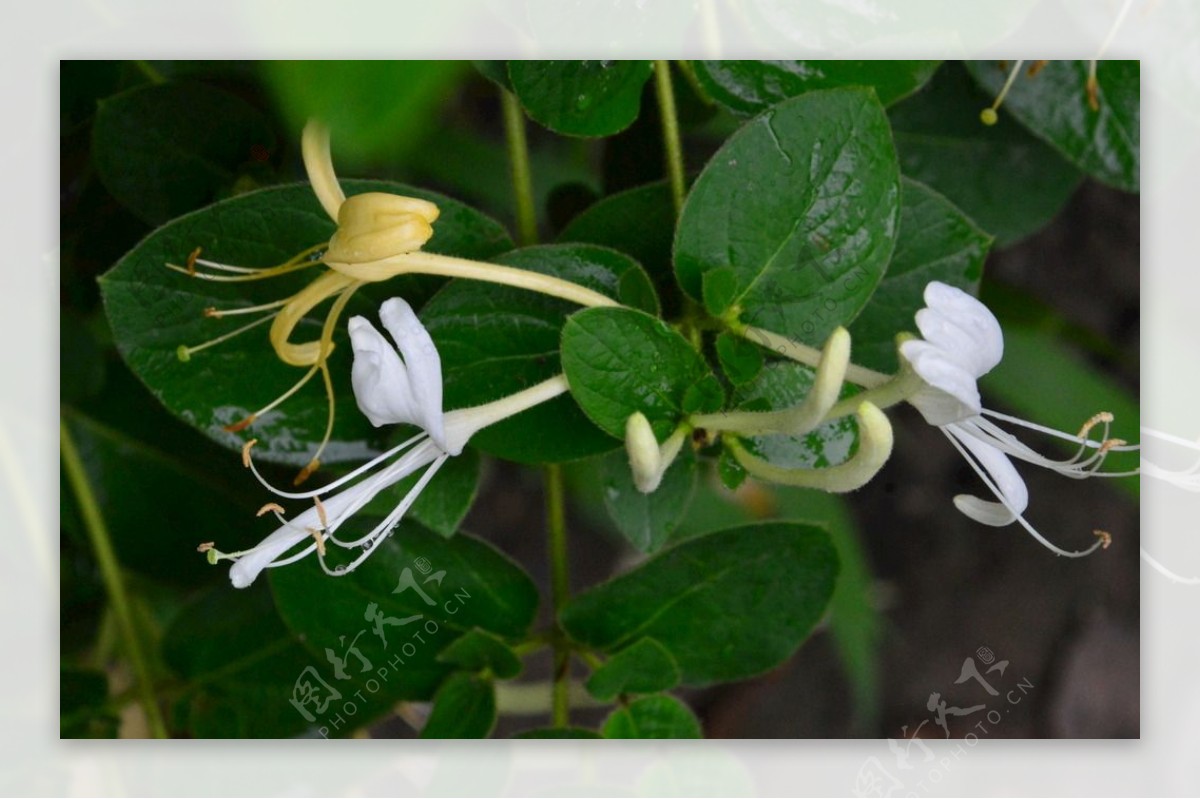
point(1105, 538)
point(321, 513)
point(246, 453)
point(206, 546)
point(191, 261)
point(270, 506)
point(238, 427)
point(1035, 68)
point(320, 539)
point(211, 312)
point(1109, 443)
point(307, 471)
point(1104, 417)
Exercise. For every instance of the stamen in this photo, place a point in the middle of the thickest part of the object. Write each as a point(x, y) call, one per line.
point(207, 545)
point(217, 313)
point(249, 420)
point(1035, 68)
point(988, 116)
point(185, 353)
point(191, 261)
point(302, 260)
point(270, 507)
point(321, 513)
point(1103, 416)
point(366, 467)
point(1105, 538)
point(246, 462)
point(320, 540)
point(999, 495)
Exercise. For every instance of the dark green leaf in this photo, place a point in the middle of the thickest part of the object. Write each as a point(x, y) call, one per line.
point(83, 710)
point(719, 288)
point(580, 98)
point(1053, 104)
point(644, 667)
point(748, 87)
point(1005, 179)
point(783, 385)
point(802, 205)
point(558, 732)
point(428, 590)
point(375, 109)
point(153, 311)
point(647, 520)
point(158, 507)
point(621, 361)
point(445, 500)
point(496, 340)
point(726, 605)
point(731, 473)
point(936, 242)
point(478, 650)
point(167, 149)
point(740, 359)
point(465, 707)
point(652, 717)
point(242, 668)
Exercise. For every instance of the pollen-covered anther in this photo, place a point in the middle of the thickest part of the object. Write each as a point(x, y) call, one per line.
point(1110, 443)
point(307, 471)
point(207, 545)
point(191, 261)
point(211, 312)
point(1105, 538)
point(319, 537)
point(1104, 417)
point(246, 453)
point(238, 427)
point(270, 507)
point(321, 513)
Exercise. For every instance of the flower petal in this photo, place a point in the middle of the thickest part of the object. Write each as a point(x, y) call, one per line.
point(1000, 476)
point(951, 394)
point(246, 568)
point(975, 334)
point(381, 382)
point(423, 363)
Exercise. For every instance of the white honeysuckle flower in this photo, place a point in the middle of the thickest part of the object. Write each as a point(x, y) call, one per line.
point(962, 342)
point(390, 387)
point(402, 387)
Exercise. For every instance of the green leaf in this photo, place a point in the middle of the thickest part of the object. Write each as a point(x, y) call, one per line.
point(802, 204)
point(580, 98)
point(375, 109)
point(740, 360)
point(158, 507)
point(429, 590)
point(478, 650)
point(240, 666)
point(748, 87)
point(726, 605)
point(445, 500)
point(1053, 105)
point(719, 289)
point(166, 149)
point(465, 707)
point(786, 384)
point(497, 340)
point(621, 361)
point(639, 222)
point(647, 520)
point(652, 717)
point(644, 667)
point(1004, 178)
point(936, 242)
point(558, 732)
point(153, 311)
point(83, 710)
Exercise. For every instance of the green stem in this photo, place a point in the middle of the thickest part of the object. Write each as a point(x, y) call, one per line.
point(518, 159)
point(556, 529)
point(110, 573)
point(529, 699)
point(670, 131)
